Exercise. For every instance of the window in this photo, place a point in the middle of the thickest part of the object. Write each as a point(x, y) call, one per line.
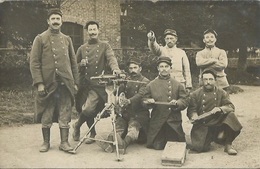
point(75, 31)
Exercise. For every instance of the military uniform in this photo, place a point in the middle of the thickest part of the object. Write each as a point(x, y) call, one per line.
point(166, 121)
point(204, 61)
point(202, 134)
point(53, 63)
point(134, 116)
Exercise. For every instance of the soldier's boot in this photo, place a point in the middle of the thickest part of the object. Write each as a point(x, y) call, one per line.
point(46, 140)
point(107, 147)
point(76, 126)
point(90, 122)
point(123, 143)
point(127, 142)
point(64, 145)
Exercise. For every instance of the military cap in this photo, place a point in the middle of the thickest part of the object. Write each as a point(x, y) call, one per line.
point(164, 59)
point(209, 70)
point(134, 61)
point(54, 11)
point(170, 32)
point(210, 31)
point(91, 23)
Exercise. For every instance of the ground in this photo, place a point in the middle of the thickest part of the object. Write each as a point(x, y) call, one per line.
point(20, 144)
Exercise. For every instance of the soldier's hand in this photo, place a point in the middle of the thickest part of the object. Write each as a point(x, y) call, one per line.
point(149, 101)
point(151, 36)
point(76, 88)
point(173, 102)
point(41, 89)
point(116, 72)
point(216, 110)
point(194, 116)
point(83, 62)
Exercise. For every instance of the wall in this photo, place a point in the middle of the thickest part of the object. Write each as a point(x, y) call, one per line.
point(106, 12)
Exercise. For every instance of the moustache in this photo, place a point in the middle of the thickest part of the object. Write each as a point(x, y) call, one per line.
point(55, 24)
point(93, 34)
point(133, 73)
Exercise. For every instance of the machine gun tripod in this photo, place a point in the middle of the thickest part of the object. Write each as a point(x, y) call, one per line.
point(112, 83)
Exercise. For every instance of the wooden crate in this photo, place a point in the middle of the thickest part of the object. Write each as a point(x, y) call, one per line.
point(174, 154)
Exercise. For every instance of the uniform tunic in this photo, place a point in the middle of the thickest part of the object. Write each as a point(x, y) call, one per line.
point(165, 90)
point(100, 57)
point(180, 62)
point(134, 116)
point(204, 61)
point(53, 63)
point(202, 101)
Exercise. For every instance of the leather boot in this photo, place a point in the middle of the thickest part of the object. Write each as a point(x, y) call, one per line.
point(46, 140)
point(76, 126)
point(90, 121)
point(127, 142)
point(64, 145)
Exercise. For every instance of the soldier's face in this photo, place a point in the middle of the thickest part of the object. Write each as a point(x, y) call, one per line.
point(164, 69)
point(55, 21)
point(93, 31)
point(134, 69)
point(170, 40)
point(209, 39)
point(208, 81)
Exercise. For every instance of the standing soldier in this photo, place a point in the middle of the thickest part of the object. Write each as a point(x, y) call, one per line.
point(213, 58)
point(93, 58)
point(54, 71)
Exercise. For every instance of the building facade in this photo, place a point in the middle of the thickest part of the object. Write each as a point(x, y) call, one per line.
point(107, 12)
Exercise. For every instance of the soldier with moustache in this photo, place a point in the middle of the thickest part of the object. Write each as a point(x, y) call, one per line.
point(180, 63)
point(132, 120)
point(212, 57)
point(54, 72)
point(222, 126)
point(166, 120)
point(94, 57)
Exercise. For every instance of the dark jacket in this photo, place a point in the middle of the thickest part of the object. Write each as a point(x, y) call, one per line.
point(100, 57)
point(202, 101)
point(53, 54)
point(135, 109)
point(165, 90)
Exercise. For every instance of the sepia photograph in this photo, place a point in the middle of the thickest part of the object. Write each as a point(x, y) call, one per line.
point(129, 83)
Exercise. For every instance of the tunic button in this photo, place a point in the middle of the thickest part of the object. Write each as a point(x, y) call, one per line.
point(96, 67)
point(86, 67)
point(56, 62)
point(169, 108)
point(169, 97)
point(215, 98)
point(135, 91)
point(204, 94)
point(203, 105)
point(136, 86)
point(61, 41)
point(86, 73)
point(52, 42)
point(63, 47)
point(54, 55)
point(86, 51)
point(169, 81)
point(96, 61)
point(214, 93)
point(56, 69)
point(96, 72)
point(97, 45)
point(96, 55)
point(65, 54)
point(170, 91)
point(53, 48)
point(97, 50)
point(203, 100)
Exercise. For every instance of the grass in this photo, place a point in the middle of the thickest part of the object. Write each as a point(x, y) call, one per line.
point(17, 106)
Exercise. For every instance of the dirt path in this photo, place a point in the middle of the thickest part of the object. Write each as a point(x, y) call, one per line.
point(19, 145)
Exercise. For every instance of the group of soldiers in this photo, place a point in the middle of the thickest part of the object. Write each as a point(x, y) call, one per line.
point(59, 74)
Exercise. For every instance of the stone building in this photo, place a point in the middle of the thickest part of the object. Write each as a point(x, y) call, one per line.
point(77, 12)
